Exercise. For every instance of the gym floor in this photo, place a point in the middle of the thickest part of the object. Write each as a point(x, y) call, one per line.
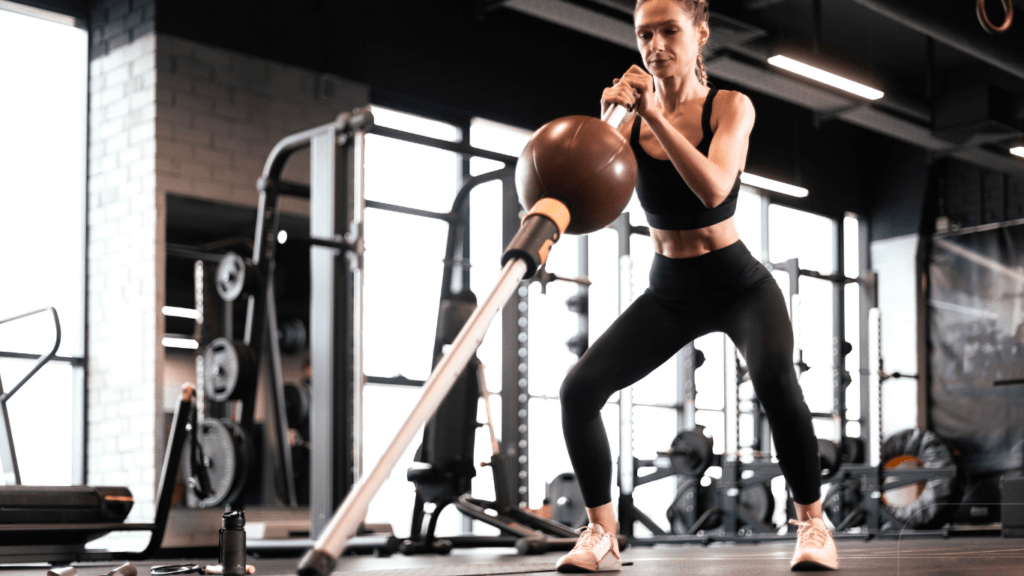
point(960, 556)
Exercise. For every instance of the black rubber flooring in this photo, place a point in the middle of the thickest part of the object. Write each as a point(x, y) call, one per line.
point(956, 556)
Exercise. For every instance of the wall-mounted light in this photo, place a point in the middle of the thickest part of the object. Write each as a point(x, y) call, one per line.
point(282, 236)
point(181, 312)
point(824, 77)
point(773, 185)
point(1018, 151)
point(177, 342)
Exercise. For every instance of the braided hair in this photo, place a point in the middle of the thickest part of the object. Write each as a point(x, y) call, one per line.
point(698, 10)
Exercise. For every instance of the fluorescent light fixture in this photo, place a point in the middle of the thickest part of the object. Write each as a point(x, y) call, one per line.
point(773, 185)
point(282, 236)
point(181, 312)
point(175, 342)
point(1018, 151)
point(825, 77)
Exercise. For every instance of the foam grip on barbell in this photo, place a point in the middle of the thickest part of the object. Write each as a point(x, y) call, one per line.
point(541, 228)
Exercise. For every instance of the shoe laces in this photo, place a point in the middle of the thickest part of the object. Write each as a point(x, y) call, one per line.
point(810, 534)
point(588, 539)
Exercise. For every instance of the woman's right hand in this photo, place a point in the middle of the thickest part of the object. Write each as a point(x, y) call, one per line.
point(618, 93)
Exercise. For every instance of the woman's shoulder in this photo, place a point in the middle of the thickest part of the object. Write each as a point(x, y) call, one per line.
point(731, 99)
point(731, 104)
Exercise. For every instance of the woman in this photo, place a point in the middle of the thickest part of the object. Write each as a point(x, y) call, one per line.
point(690, 143)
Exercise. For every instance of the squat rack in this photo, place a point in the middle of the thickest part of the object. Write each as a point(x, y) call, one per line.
point(337, 203)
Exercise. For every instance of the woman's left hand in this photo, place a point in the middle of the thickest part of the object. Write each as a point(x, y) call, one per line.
point(643, 84)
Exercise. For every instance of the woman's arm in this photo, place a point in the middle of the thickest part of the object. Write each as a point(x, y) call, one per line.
point(711, 177)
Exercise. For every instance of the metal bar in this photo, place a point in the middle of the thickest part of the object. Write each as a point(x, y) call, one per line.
point(4, 397)
point(331, 334)
point(515, 362)
point(73, 360)
point(353, 509)
point(190, 253)
point(979, 228)
point(875, 386)
point(280, 416)
point(442, 144)
point(838, 330)
point(447, 216)
point(393, 381)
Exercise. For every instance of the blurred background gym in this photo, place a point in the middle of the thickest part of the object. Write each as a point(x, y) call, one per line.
point(135, 138)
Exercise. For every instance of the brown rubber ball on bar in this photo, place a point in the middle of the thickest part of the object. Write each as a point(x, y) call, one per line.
point(582, 162)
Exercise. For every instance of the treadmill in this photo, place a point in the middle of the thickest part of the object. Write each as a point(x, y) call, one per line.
point(54, 523)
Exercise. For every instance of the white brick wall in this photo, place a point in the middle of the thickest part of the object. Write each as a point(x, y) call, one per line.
point(124, 329)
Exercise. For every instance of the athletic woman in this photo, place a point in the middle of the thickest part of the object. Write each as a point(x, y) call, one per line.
point(690, 143)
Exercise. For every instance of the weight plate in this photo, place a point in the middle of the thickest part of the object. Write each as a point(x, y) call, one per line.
point(229, 369)
point(686, 515)
point(566, 500)
point(221, 453)
point(759, 501)
point(691, 452)
point(234, 276)
point(291, 335)
point(296, 405)
point(840, 501)
point(920, 505)
point(853, 450)
point(828, 453)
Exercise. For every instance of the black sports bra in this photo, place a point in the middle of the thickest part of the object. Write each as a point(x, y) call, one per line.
point(669, 203)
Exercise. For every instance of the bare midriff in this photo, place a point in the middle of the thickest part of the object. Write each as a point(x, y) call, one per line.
point(691, 243)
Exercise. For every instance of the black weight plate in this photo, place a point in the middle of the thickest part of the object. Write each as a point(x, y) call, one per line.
point(232, 272)
point(566, 500)
point(243, 450)
point(220, 458)
point(691, 452)
point(691, 502)
point(759, 501)
point(828, 453)
point(842, 499)
point(296, 404)
point(291, 335)
point(853, 450)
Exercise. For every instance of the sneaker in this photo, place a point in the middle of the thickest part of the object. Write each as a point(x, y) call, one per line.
point(595, 551)
point(815, 549)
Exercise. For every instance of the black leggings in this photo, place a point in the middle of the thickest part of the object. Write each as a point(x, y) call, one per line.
point(726, 290)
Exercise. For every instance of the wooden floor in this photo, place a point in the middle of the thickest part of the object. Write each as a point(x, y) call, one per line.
point(959, 556)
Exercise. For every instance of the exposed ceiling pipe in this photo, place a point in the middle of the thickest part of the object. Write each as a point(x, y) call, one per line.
point(954, 23)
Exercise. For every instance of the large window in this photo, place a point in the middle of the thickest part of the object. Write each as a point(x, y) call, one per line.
point(43, 72)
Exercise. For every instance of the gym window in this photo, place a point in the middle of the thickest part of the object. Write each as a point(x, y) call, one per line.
point(43, 111)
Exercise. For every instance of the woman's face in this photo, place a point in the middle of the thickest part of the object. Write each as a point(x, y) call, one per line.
point(667, 39)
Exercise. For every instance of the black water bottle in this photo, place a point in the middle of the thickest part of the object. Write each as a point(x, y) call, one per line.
point(232, 543)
